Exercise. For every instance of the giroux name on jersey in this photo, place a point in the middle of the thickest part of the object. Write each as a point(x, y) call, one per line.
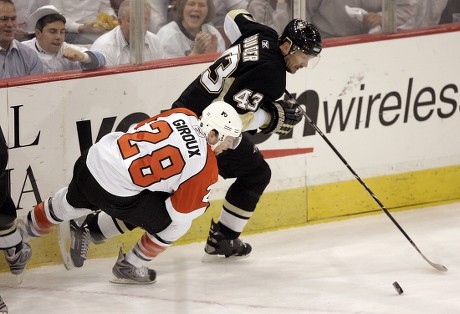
point(187, 137)
point(251, 48)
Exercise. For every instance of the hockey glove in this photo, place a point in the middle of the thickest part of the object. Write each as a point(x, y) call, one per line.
point(285, 115)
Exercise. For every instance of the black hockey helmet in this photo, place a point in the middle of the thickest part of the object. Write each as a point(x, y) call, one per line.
point(304, 36)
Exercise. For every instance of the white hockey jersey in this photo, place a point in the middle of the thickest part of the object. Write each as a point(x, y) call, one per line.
point(165, 153)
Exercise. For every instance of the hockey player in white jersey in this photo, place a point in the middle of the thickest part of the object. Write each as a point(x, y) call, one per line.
point(157, 176)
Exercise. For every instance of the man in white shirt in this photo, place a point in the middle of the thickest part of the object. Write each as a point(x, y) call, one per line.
point(428, 13)
point(159, 14)
point(332, 19)
point(273, 13)
point(82, 27)
point(114, 45)
point(225, 6)
point(24, 8)
point(55, 54)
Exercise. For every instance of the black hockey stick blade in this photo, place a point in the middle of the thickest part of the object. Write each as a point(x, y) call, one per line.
point(369, 191)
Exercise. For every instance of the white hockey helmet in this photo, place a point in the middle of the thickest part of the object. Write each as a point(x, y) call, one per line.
point(223, 118)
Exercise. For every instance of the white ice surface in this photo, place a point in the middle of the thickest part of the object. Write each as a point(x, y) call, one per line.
point(340, 267)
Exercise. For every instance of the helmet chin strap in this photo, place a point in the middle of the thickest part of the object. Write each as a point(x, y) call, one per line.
point(214, 146)
point(292, 49)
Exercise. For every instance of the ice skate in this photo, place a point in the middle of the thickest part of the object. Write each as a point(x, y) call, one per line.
point(79, 244)
point(17, 261)
point(3, 307)
point(126, 273)
point(74, 241)
point(218, 248)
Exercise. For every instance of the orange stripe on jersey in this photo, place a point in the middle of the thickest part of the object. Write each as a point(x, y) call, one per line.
point(43, 225)
point(193, 194)
point(149, 248)
point(167, 113)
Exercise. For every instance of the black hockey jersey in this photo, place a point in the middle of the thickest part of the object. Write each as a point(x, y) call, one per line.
point(252, 71)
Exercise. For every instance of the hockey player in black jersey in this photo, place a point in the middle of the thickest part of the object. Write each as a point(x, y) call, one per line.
point(17, 253)
point(251, 76)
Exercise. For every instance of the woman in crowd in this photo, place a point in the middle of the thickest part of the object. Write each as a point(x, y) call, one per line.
point(191, 33)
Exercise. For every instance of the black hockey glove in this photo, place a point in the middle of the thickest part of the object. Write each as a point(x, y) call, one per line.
point(285, 115)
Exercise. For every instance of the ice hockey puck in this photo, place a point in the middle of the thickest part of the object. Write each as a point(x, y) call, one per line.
point(397, 287)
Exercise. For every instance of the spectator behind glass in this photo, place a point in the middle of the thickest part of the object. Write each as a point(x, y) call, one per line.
point(115, 4)
point(114, 45)
point(273, 13)
point(225, 6)
point(24, 8)
point(49, 44)
point(333, 21)
point(159, 15)
point(191, 33)
point(86, 19)
point(16, 59)
point(453, 6)
point(158, 12)
point(428, 13)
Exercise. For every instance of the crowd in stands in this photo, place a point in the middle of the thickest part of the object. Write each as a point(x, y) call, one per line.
point(354, 17)
point(88, 34)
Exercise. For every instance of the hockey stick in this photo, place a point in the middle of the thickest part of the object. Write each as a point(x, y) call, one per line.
point(434, 265)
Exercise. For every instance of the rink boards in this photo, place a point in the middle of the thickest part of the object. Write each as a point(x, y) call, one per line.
point(391, 108)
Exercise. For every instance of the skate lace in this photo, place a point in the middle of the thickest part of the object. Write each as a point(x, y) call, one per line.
point(129, 271)
point(17, 260)
point(14, 257)
point(139, 271)
point(85, 242)
point(11, 254)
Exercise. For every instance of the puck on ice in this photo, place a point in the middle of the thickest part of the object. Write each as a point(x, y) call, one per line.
point(397, 287)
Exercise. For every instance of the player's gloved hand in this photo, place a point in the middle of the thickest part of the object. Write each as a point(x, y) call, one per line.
point(285, 115)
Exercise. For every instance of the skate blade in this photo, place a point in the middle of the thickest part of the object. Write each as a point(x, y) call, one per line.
point(213, 258)
point(64, 244)
point(20, 278)
point(130, 281)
